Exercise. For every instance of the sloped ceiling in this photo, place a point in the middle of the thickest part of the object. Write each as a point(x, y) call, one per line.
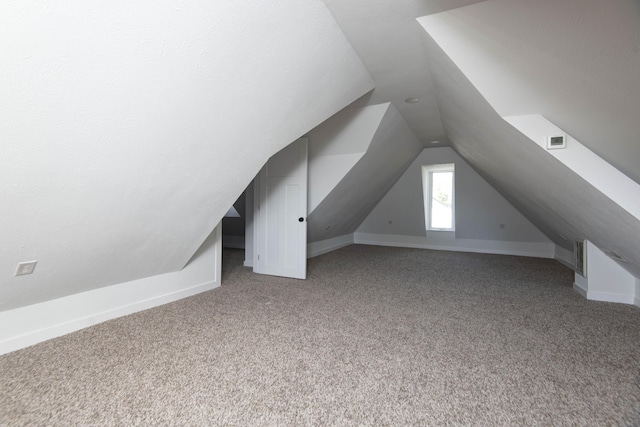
point(553, 197)
point(391, 151)
point(576, 62)
point(336, 145)
point(387, 37)
point(129, 128)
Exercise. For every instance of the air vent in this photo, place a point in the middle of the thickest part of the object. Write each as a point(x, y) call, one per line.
point(581, 257)
point(556, 142)
point(615, 255)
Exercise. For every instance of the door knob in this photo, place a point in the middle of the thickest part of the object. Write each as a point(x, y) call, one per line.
point(301, 219)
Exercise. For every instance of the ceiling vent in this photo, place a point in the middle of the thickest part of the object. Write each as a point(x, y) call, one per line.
point(615, 255)
point(556, 142)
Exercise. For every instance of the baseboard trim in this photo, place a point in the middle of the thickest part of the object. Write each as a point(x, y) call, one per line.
point(608, 297)
point(529, 249)
point(579, 289)
point(564, 256)
point(25, 326)
point(247, 263)
point(325, 246)
point(93, 310)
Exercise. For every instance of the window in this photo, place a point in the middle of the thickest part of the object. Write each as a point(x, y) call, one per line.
point(438, 183)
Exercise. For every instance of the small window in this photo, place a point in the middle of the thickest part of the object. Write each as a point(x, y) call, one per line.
point(439, 188)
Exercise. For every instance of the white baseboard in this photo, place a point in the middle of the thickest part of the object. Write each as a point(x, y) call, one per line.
point(248, 263)
point(446, 242)
point(564, 256)
point(605, 296)
point(608, 297)
point(580, 289)
point(325, 246)
point(29, 325)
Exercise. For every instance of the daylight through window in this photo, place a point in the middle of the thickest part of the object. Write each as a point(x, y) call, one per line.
point(438, 184)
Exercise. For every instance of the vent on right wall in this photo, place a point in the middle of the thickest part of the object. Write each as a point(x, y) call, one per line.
point(581, 257)
point(555, 142)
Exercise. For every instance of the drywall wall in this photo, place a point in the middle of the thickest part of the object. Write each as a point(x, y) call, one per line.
point(605, 280)
point(390, 152)
point(25, 326)
point(336, 145)
point(555, 199)
point(480, 209)
point(607, 179)
point(575, 62)
point(128, 129)
point(385, 35)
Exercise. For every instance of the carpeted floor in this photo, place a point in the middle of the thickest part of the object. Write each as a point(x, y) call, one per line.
point(375, 336)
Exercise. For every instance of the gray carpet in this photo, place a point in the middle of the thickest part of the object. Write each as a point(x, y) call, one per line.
point(375, 336)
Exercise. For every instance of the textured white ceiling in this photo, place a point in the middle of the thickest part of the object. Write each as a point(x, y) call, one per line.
point(576, 62)
point(386, 36)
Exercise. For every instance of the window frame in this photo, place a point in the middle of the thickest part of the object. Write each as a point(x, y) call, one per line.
point(427, 186)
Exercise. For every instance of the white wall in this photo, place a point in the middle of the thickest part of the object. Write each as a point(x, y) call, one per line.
point(529, 63)
point(480, 210)
point(592, 168)
point(25, 326)
point(391, 150)
point(336, 145)
point(575, 62)
point(605, 279)
point(129, 128)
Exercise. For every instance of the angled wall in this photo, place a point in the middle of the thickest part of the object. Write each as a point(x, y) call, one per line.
point(485, 221)
point(392, 149)
point(130, 128)
point(556, 199)
point(336, 145)
point(575, 62)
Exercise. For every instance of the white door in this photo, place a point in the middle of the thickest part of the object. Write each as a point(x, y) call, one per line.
point(281, 227)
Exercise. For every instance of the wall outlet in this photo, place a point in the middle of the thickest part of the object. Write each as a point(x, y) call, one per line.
point(502, 226)
point(26, 267)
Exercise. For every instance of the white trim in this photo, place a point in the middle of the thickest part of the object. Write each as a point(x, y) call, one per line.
point(427, 188)
point(636, 301)
point(325, 246)
point(26, 326)
point(580, 289)
point(564, 256)
point(607, 297)
point(248, 263)
point(531, 249)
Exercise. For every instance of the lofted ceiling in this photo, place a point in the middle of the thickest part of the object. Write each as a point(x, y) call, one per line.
point(577, 62)
point(472, 63)
point(387, 37)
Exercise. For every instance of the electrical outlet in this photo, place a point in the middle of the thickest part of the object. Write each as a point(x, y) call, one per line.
point(501, 226)
point(26, 267)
